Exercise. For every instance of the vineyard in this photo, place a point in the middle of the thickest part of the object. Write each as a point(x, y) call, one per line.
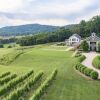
point(32, 75)
point(17, 87)
point(10, 57)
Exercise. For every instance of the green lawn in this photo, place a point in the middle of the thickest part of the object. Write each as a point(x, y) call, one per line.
point(69, 85)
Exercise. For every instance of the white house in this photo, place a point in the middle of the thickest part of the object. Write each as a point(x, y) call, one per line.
point(75, 39)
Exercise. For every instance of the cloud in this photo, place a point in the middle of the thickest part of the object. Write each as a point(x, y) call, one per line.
point(51, 12)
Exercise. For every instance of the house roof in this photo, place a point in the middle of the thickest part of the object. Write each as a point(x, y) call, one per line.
point(76, 35)
point(93, 38)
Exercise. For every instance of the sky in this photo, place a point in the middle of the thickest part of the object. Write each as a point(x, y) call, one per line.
point(47, 12)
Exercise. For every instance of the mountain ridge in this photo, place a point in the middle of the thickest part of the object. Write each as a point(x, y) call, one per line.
point(29, 29)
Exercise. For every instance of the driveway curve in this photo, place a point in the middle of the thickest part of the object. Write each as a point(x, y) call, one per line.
point(88, 61)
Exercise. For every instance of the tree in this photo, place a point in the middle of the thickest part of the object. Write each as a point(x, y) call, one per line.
point(99, 47)
point(85, 46)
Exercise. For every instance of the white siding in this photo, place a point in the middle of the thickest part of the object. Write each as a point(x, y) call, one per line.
point(73, 40)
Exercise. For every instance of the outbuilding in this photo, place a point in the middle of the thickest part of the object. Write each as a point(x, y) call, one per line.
point(93, 41)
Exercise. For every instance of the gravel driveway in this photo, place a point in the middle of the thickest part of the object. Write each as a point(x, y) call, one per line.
point(88, 61)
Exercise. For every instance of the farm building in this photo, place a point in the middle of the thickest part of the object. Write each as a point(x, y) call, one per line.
point(93, 41)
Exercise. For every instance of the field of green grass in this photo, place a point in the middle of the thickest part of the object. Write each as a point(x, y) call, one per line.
point(69, 84)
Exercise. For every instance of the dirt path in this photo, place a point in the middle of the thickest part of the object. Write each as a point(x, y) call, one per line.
point(88, 61)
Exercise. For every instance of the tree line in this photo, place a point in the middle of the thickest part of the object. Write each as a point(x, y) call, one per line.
point(41, 38)
point(85, 28)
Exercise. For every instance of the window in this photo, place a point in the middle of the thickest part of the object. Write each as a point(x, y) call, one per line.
point(74, 39)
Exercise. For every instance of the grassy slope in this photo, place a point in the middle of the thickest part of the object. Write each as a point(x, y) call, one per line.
point(69, 85)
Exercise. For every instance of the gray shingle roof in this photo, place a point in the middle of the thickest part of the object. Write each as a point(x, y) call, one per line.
point(93, 38)
point(76, 35)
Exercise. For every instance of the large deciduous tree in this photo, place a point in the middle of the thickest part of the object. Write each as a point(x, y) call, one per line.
point(85, 46)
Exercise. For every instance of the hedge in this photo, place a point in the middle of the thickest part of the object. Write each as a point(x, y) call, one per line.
point(94, 75)
point(41, 90)
point(81, 58)
point(96, 62)
point(87, 71)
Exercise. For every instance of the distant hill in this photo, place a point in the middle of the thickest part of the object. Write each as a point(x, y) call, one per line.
point(26, 29)
point(71, 26)
point(29, 29)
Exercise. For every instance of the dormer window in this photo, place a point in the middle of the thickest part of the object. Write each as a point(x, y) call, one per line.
point(93, 34)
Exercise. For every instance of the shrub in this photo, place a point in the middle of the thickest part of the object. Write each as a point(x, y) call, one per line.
point(9, 46)
point(82, 69)
point(94, 75)
point(77, 65)
point(96, 62)
point(87, 71)
point(81, 58)
point(78, 55)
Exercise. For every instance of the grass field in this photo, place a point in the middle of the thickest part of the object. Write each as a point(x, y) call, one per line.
point(69, 85)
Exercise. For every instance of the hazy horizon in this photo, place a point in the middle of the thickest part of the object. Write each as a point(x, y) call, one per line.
point(47, 12)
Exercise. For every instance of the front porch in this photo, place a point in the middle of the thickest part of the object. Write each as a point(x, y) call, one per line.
point(93, 46)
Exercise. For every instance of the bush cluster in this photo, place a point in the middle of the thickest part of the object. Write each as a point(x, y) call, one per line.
point(4, 74)
point(14, 95)
point(40, 91)
point(7, 79)
point(81, 58)
point(96, 62)
point(78, 54)
point(87, 71)
point(14, 82)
